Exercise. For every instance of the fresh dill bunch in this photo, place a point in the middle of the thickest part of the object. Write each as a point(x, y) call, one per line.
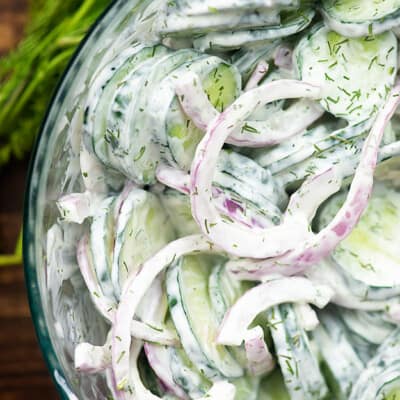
point(29, 74)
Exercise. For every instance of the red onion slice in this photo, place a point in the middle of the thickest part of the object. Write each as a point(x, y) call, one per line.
point(234, 327)
point(309, 252)
point(107, 307)
point(133, 292)
point(235, 238)
point(278, 128)
point(260, 360)
point(158, 359)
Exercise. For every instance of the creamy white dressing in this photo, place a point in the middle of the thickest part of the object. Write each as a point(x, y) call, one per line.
point(354, 74)
point(124, 123)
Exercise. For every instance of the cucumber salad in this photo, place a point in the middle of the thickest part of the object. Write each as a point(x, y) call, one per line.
point(240, 211)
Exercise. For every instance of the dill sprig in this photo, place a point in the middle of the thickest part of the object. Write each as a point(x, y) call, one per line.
point(29, 74)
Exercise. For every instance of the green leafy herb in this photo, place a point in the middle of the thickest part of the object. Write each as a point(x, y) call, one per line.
point(29, 74)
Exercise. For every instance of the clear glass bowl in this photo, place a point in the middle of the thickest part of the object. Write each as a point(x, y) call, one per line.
point(61, 309)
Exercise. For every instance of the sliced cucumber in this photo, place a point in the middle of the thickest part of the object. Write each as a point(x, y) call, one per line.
point(298, 363)
point(273, 387)
point(241, 175)
point(246, 388)
point(353, 18)
point(191, 311)
point(249, 190)
point(222, 84)
point(247, 58)
point(369, 325)
point(180, 25)
point(312, 143)
point(346, 156)
point(218, 302)
point(185, 374)
point(356, 75)
point(183, 136)
point(195, 7)
point(145, 149)
point(112, 136)
point(97, 86)
point(143, 227)
point(390, 391)
point(269, 110)
point(381, 378)
point(291, 151)
point(160, 96)
point(339, 360)
point(178, 208)
point(102, 243)
point(223, 290)
point(108, 117)
point(148, 376)
point(370, 253)
point(291, 23)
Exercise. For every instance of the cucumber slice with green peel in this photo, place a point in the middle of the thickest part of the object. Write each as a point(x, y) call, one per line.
point(273, 387)
point(365, 350)
point(254, 183)
point(246, 59)
point(222, 84)
point(268, 110)
point(339, 360)
point(390, 391)
point(246, 388)
point(353, 18)
point(195, 385)
point(345, 156)
point(145, 148)
point(107, 127)
point(299, 365)
point(218, 301)
point(249, 188)
point(111, 132)
point(371, 326)
point(355, 75)
point(363, 336)
point(286, 154)
point(183, 136)
point(178, 208)
point(224, 290)
point(191, 311)
point(97, 86)
point(205, 6)
point(110, 139)
point(291, 23)
point(370, 253)
point(161, 94)
point(318, 142)
point(381, 377)
point(143, 227)
point(102, 244)
point(148, 376)
point(185, 374)
point(178, 24)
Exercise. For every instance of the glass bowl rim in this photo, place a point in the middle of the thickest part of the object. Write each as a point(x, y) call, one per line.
point(30, 274)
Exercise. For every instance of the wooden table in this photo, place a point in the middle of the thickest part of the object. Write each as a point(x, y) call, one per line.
point(23, 374)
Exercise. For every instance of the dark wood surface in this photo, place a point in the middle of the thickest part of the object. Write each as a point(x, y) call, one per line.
point(23, 374)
